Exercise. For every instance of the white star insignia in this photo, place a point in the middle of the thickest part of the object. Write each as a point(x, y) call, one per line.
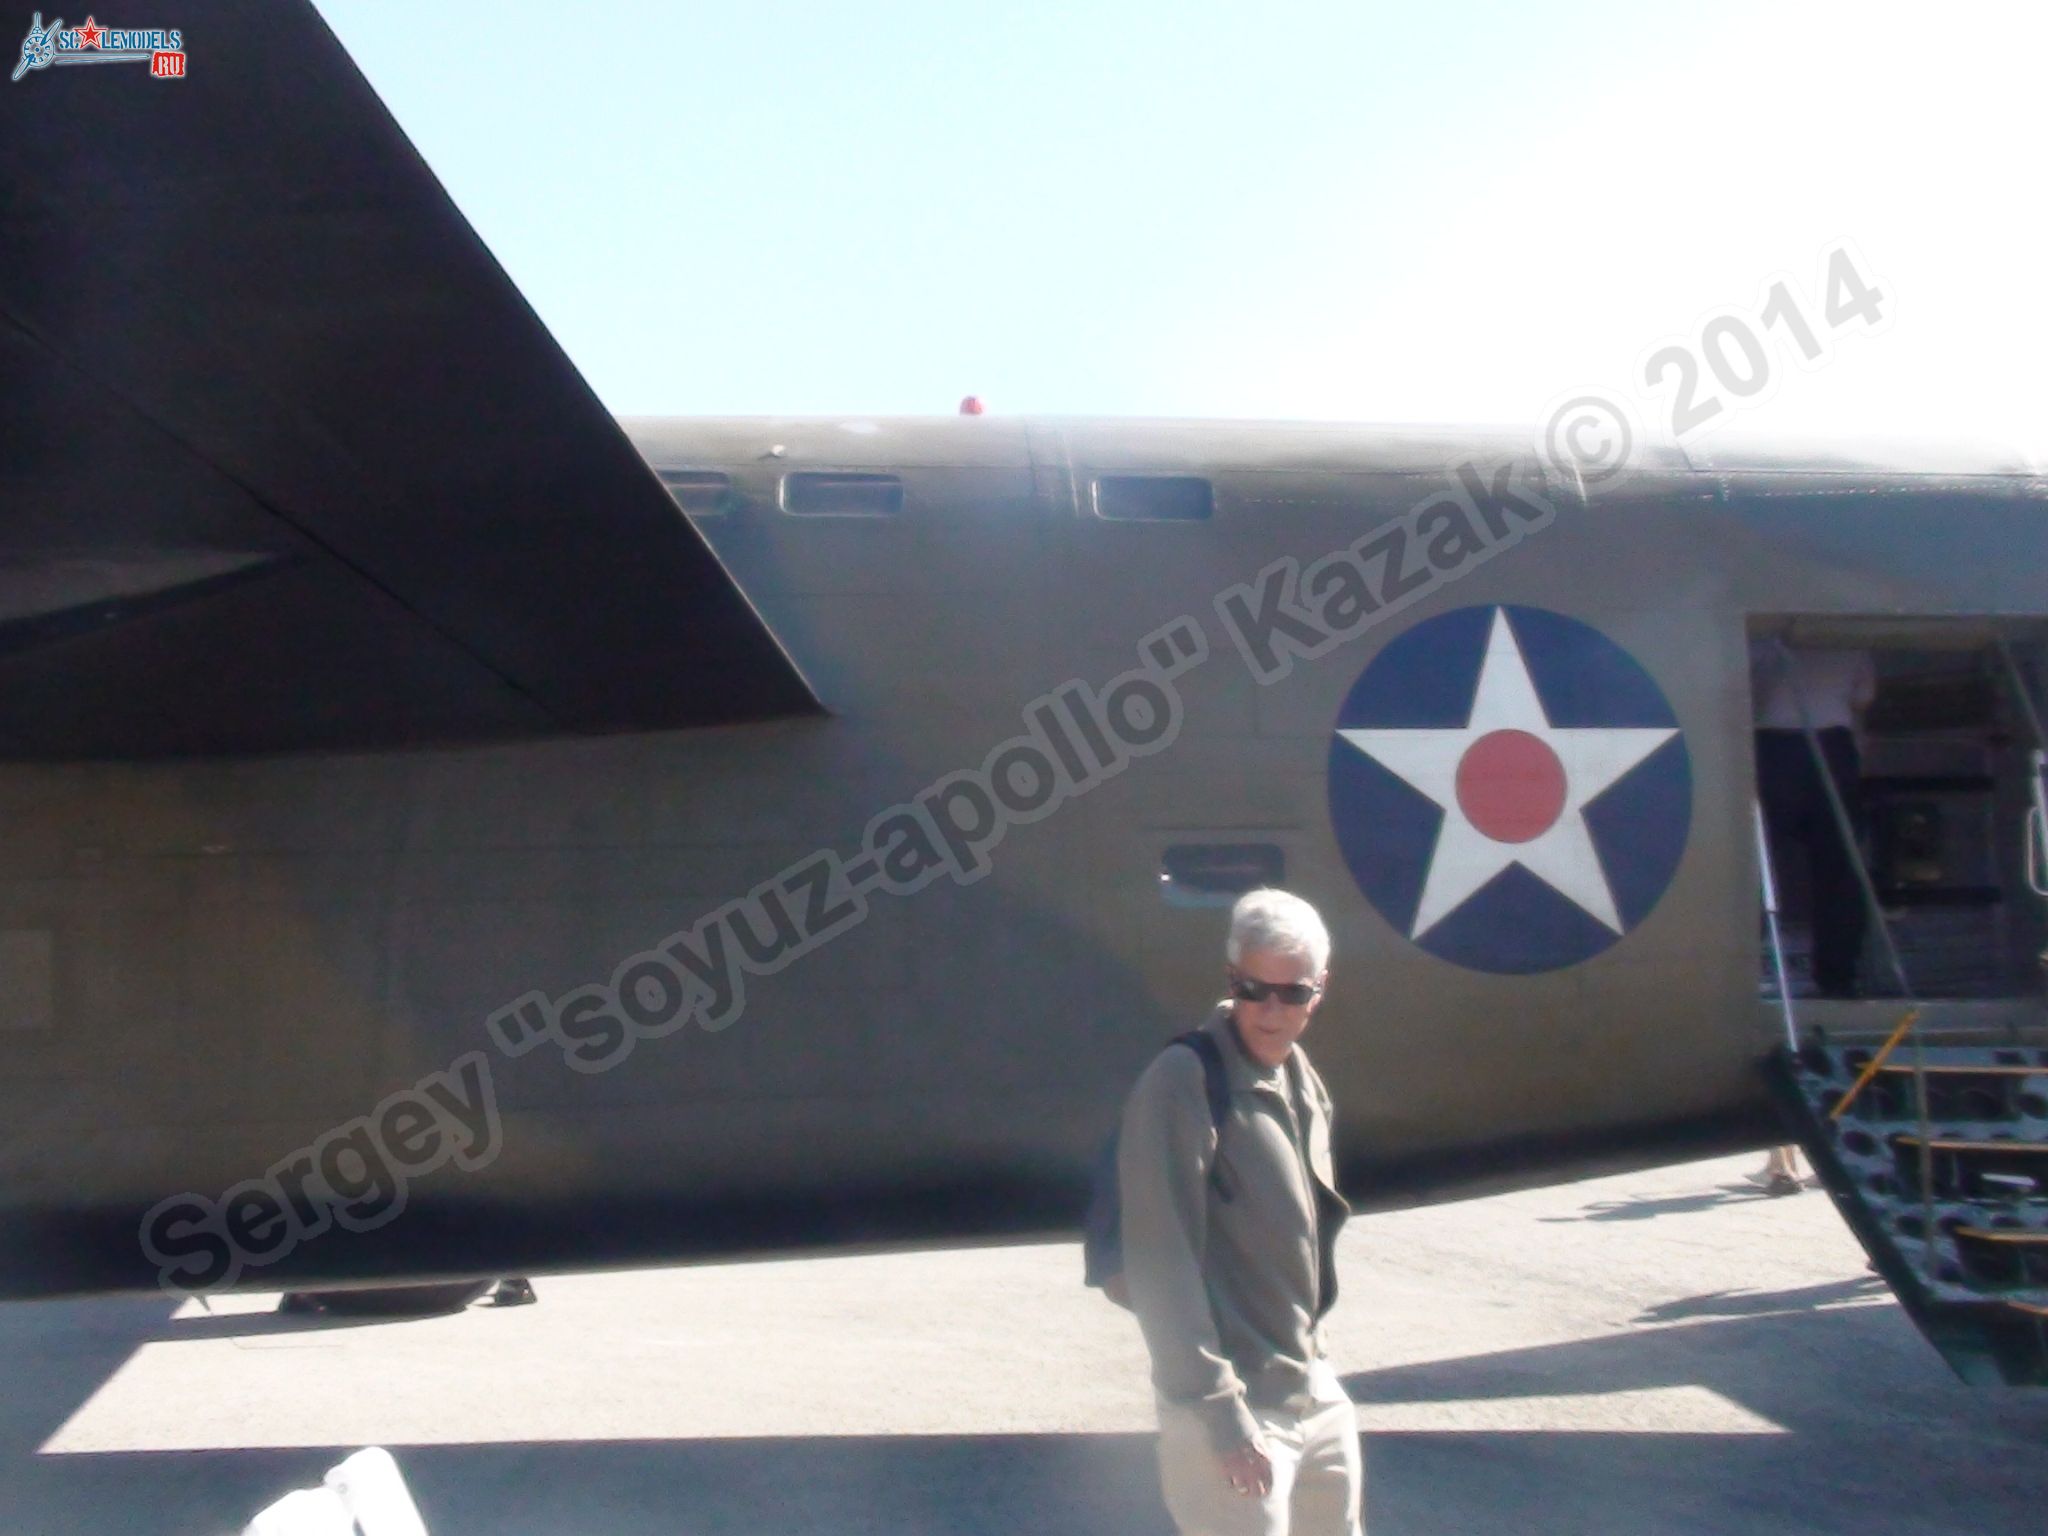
point(1509, 777)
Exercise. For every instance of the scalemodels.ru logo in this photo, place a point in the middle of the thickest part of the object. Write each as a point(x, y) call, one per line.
point(161, 48)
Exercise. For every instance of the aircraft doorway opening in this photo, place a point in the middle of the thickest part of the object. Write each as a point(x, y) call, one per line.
point(1942, 783)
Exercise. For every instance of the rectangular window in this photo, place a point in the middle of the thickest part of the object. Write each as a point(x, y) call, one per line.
point(1216, 874)
point(1154, 499)
point(701, 493)
point(818, 494)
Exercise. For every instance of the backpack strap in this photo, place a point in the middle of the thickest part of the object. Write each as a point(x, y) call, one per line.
point(1217, 1084)
point(1203, 1044)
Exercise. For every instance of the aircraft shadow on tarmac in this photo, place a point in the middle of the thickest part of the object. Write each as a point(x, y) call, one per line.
point(244, 1325)
point(1764, 1303)
point(1879, 1436)
point(55, 1356)
point(1652, 1206)
point(1878, 1439)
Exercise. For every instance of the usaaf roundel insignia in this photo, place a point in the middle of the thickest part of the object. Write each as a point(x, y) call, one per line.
point(1510, 788)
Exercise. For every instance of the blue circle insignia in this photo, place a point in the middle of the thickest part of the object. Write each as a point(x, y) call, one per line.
point(1510, 788)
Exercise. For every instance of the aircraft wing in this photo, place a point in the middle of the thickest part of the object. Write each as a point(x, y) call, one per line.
point(286, 462)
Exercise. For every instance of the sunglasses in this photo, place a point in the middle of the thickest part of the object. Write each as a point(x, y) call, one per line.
point(1293, 993)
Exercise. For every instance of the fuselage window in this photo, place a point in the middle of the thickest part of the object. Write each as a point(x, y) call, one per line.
point(701, 493)
point(1216, 874)
point(817, 494)
point(1154, 498)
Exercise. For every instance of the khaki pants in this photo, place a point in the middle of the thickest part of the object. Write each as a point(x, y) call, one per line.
point(1318, 1474)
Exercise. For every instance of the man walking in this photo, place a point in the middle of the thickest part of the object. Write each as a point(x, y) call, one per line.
point(1229, 1234)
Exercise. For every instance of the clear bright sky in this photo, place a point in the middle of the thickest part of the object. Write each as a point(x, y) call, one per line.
point(1424, 212)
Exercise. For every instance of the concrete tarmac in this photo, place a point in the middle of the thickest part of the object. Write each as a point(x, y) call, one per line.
point(1661, 1352)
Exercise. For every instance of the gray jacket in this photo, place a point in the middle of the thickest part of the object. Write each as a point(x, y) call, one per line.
point(1228, 1248)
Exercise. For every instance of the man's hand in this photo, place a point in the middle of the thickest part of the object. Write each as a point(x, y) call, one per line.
point(1250, 1470)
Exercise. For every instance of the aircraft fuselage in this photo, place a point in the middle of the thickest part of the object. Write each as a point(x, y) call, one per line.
point(222, 964)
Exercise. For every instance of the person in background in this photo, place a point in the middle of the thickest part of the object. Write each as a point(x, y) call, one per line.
point(1797, 688)
point(1780, 1172)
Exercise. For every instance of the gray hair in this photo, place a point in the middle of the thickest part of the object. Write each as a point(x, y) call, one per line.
point(1277, 921)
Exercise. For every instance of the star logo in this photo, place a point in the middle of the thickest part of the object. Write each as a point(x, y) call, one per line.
point(90, 33)
point(1510, 788)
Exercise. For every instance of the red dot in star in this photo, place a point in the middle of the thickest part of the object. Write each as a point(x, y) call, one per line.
point(1511, 786)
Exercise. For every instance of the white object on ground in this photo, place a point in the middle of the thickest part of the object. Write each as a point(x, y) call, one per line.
point(365, 1495)
point(309, 1512)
